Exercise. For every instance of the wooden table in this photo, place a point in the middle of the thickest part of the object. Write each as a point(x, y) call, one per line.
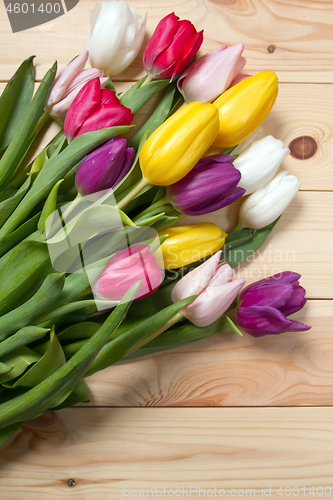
point(229, 412)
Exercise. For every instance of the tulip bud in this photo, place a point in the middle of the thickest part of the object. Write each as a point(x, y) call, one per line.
point(264, 305)
point(115, 36)
point(209, 186)
point(105, 167)
point(214, 284)
point(95, 109)
point(259, 162)
point(210, 75)
point(243, 107)
point(125, 268)
point(187, 244)
point(172, 46)
point(265, 205)
point(173, 149)
point(68, 82)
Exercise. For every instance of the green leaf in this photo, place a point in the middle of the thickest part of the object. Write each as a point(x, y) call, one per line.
point(136, 100)
point(80, 394)
point(52, 359)
point(21, 358)
point(235, 254)
point(8, 431)
point(9, 205)
point(27, 312)
point(22, 232)
point(24, 336)
point(55, 389)
point(15, 100)
point(21, 277)
point(5, 368)
point(21, 141)
point(159, 115)
point(49, 207)
point(83, 330)
point(55, 170)
point(123, 343)
point(183, 335)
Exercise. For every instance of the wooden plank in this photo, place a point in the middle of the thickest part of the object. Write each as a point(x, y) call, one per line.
point(301, 113)
point(105, 454)
point(226, 370)
point(292, 38)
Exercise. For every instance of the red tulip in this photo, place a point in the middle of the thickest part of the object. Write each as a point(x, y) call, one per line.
point(93, 109)
point(173, 44)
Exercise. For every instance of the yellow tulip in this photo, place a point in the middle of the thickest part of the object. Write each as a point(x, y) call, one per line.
point(244, 107)
point(177, 145)
point(187, 244)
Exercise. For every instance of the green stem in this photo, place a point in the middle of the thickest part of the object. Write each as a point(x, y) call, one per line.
point(132, 194)
point(155, 205)
point(147, 80)
point(174, 319)
point(41, 122)
point(239, 227)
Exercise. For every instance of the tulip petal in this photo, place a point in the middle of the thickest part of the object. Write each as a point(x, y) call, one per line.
point(296, 302)
point(267, 295)
point(212, 303)
point(161, 39)
point(224, 274)
point(109, 97)
point(85, 103)
point(259, 321)
point(188, 52)
point(214, 205)
point(284, 277)
point(296, 326)
point(106, 116)
point(195, 281)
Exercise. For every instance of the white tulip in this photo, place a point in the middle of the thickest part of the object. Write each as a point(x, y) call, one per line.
point(267, 204)
point(115, 36)
point(259, 162)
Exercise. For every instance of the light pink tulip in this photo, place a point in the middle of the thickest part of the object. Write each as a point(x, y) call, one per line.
point(214, 284)
point(67, 84)
point(210, 75)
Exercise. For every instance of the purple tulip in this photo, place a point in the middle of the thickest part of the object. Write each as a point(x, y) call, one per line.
point(211, 185)
point(265, 305)
point(105, 167)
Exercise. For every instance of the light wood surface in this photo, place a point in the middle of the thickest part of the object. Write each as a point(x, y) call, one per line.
point(104, 446)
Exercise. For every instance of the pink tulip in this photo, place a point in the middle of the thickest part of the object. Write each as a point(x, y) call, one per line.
point(124, 269)
point(93, 109)
point(67, 84)
point(210, 75)
point(172, 46)
point(214, 284)
point(237, 79)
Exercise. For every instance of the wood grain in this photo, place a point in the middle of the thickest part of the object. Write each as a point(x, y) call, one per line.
point(293, 38)
point(100, 451)
point(226, 370)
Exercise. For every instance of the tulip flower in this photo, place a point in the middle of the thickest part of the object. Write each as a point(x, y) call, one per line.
point(216, 290)
point(210, 75)
point(115, 36)
point(243, 107)
point(104, 167)
point(265, 205)
point(209, 186)
point(125, 268)
point(259, 162)
point(94, 109)
point(264, 305)
point(68, 82)
point(187, 244)
point(238, 78)
point(173, 149)
point(172, 46)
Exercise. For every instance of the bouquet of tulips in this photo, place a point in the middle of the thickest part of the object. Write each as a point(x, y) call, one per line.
point(95, 265)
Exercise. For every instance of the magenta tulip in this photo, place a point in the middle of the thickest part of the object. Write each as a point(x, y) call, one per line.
point(265, 305)
point(209, 186)
point(67, 84)
point(210, 75)
point(94, 109)
point(125, 268)
point(214, 284)
point(105, 167)
point(172, 46)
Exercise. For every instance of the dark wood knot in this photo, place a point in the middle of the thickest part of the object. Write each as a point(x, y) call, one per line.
point(303, 147)
point(271, 48)
point(71, 482)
